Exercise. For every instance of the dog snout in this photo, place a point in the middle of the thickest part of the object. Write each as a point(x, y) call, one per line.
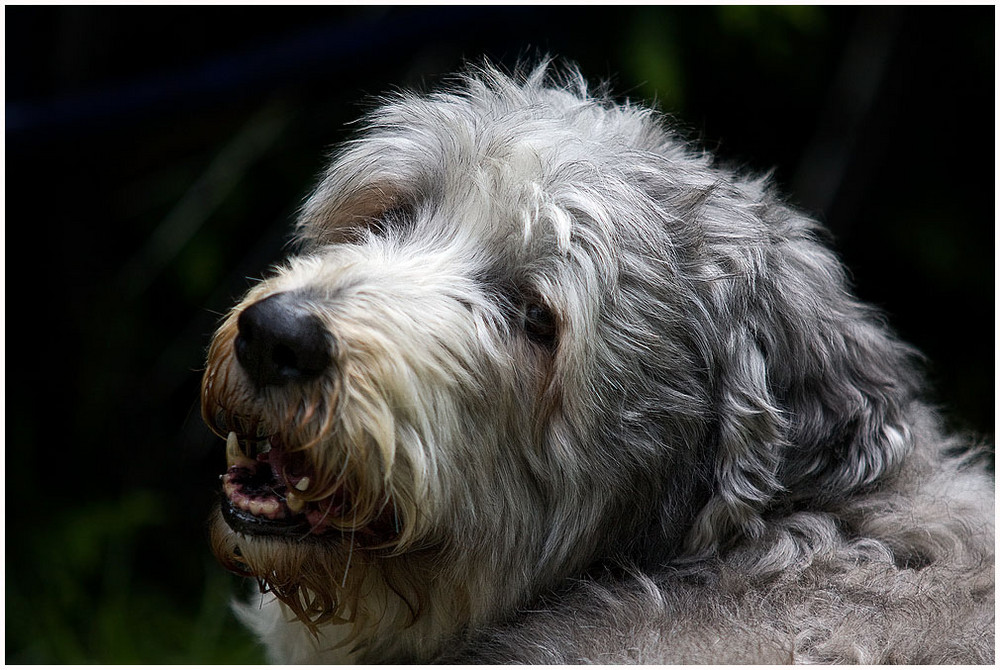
point(281, 342)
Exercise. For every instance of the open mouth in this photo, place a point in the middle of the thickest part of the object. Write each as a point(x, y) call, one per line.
point(265, 488)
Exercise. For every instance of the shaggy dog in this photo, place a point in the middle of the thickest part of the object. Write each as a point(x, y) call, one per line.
point(545, 384)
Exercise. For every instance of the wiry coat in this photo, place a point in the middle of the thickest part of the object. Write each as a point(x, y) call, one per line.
point(620, 401)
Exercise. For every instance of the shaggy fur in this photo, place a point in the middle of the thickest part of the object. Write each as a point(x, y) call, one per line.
point(545, 384)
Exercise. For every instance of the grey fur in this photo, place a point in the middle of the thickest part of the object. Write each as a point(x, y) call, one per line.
point(719, 455)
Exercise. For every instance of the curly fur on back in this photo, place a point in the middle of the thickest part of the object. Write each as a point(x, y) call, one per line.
point(722, 456)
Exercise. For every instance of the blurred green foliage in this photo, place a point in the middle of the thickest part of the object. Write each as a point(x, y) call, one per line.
point(80, 594)
point(652, 58)
point(661, 39)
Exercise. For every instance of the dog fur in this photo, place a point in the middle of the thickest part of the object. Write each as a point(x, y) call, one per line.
point(558, 388)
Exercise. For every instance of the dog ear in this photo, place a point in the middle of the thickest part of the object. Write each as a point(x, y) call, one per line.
point(810, 385)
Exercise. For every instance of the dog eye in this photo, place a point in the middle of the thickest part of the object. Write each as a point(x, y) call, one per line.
point(540, 324)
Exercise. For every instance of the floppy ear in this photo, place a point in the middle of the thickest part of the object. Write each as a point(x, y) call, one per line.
point(810, 391)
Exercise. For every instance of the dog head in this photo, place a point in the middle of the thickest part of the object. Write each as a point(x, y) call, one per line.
point(530, 330)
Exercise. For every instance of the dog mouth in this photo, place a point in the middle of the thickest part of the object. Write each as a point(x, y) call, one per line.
point(265, 489)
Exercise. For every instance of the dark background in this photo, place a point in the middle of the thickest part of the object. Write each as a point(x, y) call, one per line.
point(155, 158)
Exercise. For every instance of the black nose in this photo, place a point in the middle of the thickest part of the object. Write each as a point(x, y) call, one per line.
point(281, 342)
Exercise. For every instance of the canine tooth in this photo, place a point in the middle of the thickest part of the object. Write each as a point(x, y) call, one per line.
point(302, 484)
point(235, 456)
point(233, 451)
point(294, 502)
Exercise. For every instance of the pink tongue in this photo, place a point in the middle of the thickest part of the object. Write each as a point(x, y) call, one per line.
point(281, 465)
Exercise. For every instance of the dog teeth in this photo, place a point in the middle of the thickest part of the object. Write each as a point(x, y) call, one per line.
point(232, 444)
point(234, 452)
point(268, 507)
point(295, 503)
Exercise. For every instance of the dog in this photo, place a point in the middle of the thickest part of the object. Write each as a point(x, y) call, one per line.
point(545, 383)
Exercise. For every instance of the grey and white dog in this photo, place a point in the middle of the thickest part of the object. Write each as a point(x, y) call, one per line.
point(545, 384)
